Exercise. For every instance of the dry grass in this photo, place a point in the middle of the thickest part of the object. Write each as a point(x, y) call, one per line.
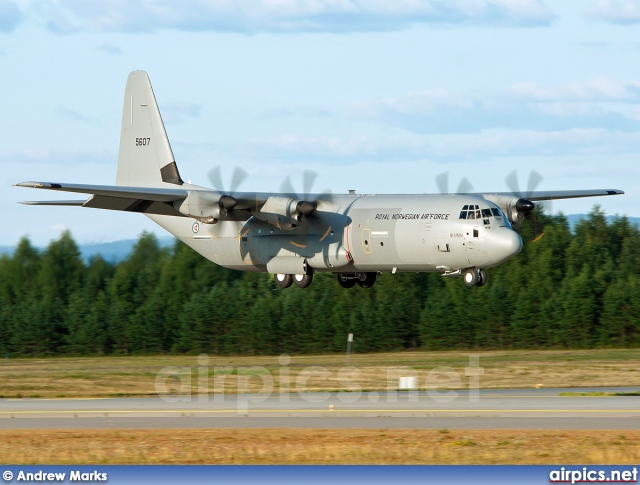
point(136, 376)
point(312, 446)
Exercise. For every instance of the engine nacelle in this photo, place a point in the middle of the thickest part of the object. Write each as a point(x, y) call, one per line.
point(201, 205)
point(515, 208)
point(284, 212)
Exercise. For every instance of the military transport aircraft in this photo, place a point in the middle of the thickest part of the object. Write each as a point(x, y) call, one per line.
point(293, 236)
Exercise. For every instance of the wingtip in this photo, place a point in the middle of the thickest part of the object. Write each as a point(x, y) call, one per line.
point(34, 185)
point(39, 185)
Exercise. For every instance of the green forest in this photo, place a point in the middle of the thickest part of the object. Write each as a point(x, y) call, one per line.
point(570, 289)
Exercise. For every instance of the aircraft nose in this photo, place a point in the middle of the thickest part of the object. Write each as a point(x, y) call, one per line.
point(502, 244)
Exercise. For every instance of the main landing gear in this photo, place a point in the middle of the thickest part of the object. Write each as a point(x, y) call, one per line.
point(285, 280)
point(349, 280)
point(346, 280)
point(475, 277)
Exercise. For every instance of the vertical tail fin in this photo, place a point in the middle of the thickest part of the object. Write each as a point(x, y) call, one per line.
point(145, 158)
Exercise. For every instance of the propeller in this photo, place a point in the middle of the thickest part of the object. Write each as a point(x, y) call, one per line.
point(307, 204)
point(227, 201)
point(524, 206)
point(442, 180)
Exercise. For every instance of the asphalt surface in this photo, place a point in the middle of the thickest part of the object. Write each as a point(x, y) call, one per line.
point(504, 408)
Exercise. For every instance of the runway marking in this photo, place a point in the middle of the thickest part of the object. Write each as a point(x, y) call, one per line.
point(335, 411)
point(37, 399)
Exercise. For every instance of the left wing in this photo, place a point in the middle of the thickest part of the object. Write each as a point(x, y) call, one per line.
point(148, 200)
point(186, 201)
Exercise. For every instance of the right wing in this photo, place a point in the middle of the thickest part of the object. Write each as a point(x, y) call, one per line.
point(560, 194)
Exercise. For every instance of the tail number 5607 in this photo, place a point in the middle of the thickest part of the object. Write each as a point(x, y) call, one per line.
point(143, 142)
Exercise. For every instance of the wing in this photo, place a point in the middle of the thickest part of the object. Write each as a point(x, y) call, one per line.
point(148, 200)
point(559, 194)
point(186, 201)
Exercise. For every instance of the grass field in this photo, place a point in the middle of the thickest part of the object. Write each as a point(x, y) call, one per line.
point(309, 446)
point(148, 376)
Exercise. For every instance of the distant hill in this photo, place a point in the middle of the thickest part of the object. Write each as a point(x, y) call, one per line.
point(113, 251)
point(575, 218)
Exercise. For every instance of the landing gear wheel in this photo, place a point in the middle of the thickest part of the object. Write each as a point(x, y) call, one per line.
point(482, 278)
point(302, 280)
point(471, 277)
point(346, 282)
point(283, 280)
point(367, 280)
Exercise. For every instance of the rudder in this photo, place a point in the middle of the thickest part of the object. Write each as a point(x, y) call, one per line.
point(145, 158)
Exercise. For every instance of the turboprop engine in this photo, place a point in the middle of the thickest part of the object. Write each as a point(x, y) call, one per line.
point(285, 212)
point(206, 207)
point(515, 208)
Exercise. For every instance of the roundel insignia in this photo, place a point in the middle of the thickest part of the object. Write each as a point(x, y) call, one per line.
point(195, 227)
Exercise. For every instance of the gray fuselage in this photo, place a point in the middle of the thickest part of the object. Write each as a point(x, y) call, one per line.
point(368, 233)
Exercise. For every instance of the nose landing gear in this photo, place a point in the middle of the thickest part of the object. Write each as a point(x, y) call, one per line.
point(475, 277)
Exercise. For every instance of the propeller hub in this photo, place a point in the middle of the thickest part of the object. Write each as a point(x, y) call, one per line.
point(305, 208)
point(227, 202)
point(524, 206)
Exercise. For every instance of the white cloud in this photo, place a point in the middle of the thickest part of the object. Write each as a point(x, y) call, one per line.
point(598, 89)
point(624, 12)
point(597, 103)
point(253, 16)
point(453, 147)
point(10, 16)
point(38, 157)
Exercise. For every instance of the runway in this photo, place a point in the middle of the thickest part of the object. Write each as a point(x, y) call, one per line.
point(499, 409)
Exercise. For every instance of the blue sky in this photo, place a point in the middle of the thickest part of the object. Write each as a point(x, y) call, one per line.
point(377, 96)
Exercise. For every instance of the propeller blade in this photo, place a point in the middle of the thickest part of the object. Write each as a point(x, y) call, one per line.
point(512, 182)
point(308, 178)
point(326, 196)
point(286, 187)
point(215, 176)
point(442, 181)
point(464, 187)
point(534, 180)
point(239, 175)
point(547, 206)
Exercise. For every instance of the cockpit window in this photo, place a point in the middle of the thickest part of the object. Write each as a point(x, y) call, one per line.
point(474, 212)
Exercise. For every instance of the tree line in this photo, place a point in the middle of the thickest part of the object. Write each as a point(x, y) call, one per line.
point(570, 289)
